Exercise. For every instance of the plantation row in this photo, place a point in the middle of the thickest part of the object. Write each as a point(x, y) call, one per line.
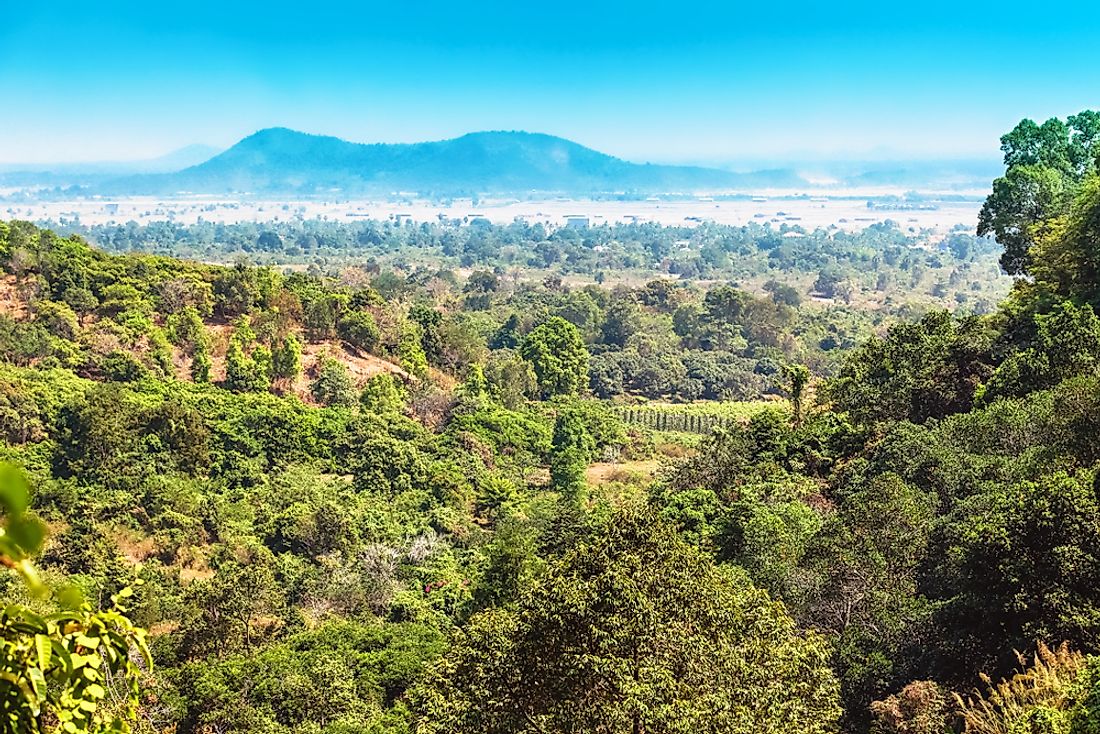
point(695, 418)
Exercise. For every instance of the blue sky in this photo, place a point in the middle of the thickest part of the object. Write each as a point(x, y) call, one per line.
point(646, 81)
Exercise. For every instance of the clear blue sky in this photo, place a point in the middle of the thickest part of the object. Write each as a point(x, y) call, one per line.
point(648, 81)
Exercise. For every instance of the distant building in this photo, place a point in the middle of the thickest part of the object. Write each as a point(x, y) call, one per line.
point(576, 221)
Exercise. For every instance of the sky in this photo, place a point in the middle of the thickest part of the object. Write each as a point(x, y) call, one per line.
point(647, 81)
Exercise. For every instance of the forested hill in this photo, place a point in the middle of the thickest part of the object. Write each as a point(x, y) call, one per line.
point(471, 540)
point(278, 160)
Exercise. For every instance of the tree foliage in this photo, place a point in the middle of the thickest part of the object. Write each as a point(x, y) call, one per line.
point(558, 356)
point(630, 631)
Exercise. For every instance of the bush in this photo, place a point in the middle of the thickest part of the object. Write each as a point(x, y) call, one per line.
point(359, 329)
point(333, 386)
point(120, 366)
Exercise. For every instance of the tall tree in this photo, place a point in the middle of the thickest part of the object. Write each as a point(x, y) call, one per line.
point(557, 354)
point(570, 452)
point(1044, 167)
point(632, 631)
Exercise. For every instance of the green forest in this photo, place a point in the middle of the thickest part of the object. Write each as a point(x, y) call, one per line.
point(399, 478)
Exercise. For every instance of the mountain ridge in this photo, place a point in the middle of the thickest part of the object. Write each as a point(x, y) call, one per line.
point(281, 160)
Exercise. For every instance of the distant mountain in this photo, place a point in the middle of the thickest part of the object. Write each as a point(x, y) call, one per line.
point(189, 155)
point(282, 161)
point(94, 173)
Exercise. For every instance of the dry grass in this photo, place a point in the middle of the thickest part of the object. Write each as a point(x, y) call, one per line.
point(361, 366)
point(187, 574)
point(163, 628)
point(135, 547)
point(12, 301)
point(1046, 683)
point(626, 472)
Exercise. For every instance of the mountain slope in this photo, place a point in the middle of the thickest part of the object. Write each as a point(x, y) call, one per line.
point(277, 160)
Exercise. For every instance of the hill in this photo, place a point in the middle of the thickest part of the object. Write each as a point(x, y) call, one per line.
point(388, 559)
point(278, 160)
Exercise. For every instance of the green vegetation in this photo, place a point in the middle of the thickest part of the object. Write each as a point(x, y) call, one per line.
point(398, 501)
point(57, 669)
point(690, 417)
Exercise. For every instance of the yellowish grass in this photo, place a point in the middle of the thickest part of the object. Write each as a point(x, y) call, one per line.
point(1047, 683)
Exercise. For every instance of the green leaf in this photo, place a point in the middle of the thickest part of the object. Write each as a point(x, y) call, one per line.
point(63, 657)
point(38, 682)
point(70, 597)
point(45, 651)
point(28, 532)
point(14, 492)
point(30, 578)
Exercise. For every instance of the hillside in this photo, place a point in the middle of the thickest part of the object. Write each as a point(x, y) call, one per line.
point(513, 541)
point(277, 160)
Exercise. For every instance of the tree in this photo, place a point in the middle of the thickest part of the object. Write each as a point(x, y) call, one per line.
point(921, 707)
point(58, 318)
point(631, 630)
point(571, 450)
point(1067, 344)
point(80, 299)
point(382, 395)
point(410, 352)
point(621, 320)
point(243, 333)
point(557, 354)
point(186, 330)
point(1022, 200)
point(861, 584)
point(783, 293)
point(286, 358)
point(269, 241)
point(511, 380)
point(359, 329)
point(833, 283)
point(242, 373)
point(261, 358)
point(122, 366)
point(333, 386)
point(1044, 166)
point(475, 386)
point(1021, 563)
point(200, 365)
point(227, 607)
point(98, 438)
point(321, 315)
point(798, 376)
point(236, 291)
point(928, 369)
point(507, 336)
point(1064, 260)
point(429, 320)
